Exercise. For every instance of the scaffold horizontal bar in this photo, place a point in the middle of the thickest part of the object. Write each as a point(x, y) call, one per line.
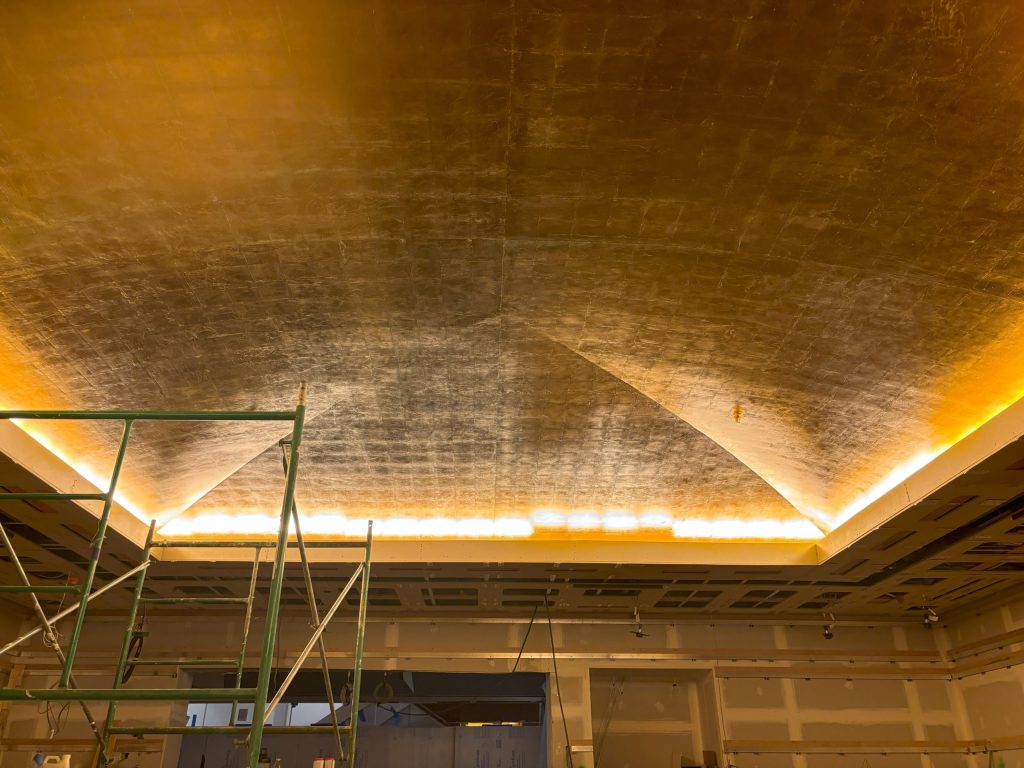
point(183, 663)
point(126, 694)
point(131, 730)
point(196, 600)
point(53, 497)
point(154, 415)
point(253, 544)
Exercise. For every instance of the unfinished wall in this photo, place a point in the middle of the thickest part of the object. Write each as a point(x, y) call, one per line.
point(12, 619)
point(988, 648)
point(647, 718)
point(773, 696)
point(387, 747)
point(12, 623)
point(813, 711)
point(28, 728)
point(11, 615)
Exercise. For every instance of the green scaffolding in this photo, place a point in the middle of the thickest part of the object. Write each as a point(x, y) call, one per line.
point(67, 690)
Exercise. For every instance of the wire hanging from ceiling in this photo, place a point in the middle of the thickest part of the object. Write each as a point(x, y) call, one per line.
point(558, 685)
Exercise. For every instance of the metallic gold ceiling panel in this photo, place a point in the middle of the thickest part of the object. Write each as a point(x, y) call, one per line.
point(492, 421)
point(833, 370)
point(530, 255)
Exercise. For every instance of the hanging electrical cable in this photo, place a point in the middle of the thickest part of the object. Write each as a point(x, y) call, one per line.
point(135, 647)
point(56, 715)
point(618, 687)
point(384, 693)
point(558, 685)
point(529, 627)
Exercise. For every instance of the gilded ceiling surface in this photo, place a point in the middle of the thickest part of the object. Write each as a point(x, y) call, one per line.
point(551, 267)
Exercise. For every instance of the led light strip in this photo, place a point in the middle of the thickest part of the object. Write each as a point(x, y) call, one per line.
point(446, 527)
point(97, 479)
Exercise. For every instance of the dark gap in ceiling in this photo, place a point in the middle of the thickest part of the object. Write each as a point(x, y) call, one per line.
point(851, 568)
point(993, 548)
point(895, 539)
point(951, 506)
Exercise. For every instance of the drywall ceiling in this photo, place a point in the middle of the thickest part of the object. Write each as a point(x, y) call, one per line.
point(552, 269)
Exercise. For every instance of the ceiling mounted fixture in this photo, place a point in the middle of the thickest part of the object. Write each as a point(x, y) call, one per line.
point(638, 630)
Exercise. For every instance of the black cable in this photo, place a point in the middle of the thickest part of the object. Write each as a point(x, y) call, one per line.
point(384, 691)
point(505, 682)
point(558, 685)
point(134, 651)
point(206, 743)
point(284, 454)
point(612, 701)
point(528, 628)
point(58, 721)
point(56, 714)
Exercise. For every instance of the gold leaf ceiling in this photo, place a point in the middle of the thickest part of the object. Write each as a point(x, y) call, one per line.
point(530, 256)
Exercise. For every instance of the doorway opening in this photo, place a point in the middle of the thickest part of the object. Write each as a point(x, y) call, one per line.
point(645, 718)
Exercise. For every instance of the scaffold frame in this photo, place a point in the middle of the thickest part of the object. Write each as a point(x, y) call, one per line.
point(288, 523)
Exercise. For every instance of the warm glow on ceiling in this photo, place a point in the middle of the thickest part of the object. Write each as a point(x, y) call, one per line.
point(896, 476)
point(502, 343)
point(97, 479)
point(545, 523)
point(913, 465)
point(552, 523)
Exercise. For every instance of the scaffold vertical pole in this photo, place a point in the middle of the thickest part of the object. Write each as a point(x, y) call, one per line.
point(129, 633)
point(314, 616)
point(357, 664)
point(276, 584)
point(94, 554)
point(246, 623)
point(51, 639)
